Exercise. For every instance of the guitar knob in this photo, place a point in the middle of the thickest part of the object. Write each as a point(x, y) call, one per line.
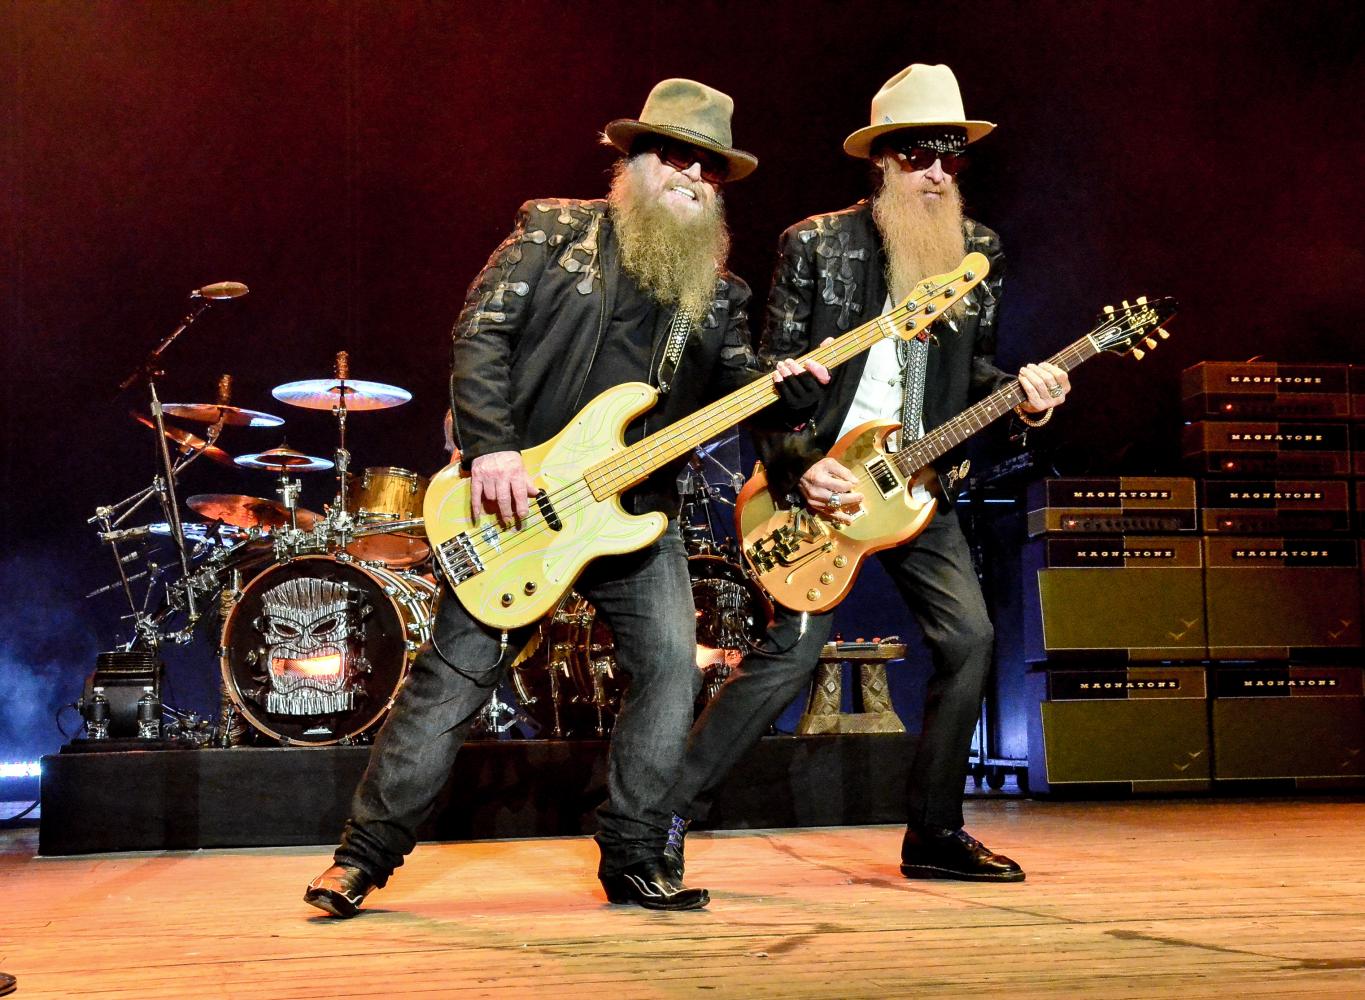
point(813, 594)
point(530, 587)
point(506, 600)
point(826, 578)
point(840, 562)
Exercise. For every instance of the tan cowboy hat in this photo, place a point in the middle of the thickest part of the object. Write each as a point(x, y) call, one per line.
point(916, 97)
point(690, 112)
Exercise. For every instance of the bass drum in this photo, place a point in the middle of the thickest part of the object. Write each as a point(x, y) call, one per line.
point(315, 649)
point(568, 679)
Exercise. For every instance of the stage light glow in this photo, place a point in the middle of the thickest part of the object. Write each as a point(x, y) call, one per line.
point(317, 666)
point(20, 769)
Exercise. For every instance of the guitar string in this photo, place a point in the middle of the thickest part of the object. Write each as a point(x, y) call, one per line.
point(571, 499)
point(926, 449)
point(886, 325)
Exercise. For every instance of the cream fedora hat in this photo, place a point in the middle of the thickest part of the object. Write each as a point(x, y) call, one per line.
point(918, 96)
point(688, 111)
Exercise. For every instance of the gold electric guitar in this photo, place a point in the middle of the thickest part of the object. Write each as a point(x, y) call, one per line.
point(808, 562)
point(507, 576)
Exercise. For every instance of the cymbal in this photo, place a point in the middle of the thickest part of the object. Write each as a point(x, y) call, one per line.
point(186, 441)
point(247, 512)
point(199, 531)
point(284, 459)
point(211, 413)
point(324, 394)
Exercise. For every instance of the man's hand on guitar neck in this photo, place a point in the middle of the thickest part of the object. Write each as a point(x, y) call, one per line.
point(498, 484)
point(1045, 385)
point(831, 490)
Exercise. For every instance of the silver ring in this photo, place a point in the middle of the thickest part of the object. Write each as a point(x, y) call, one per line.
point(833, 502)
point(1055, 391)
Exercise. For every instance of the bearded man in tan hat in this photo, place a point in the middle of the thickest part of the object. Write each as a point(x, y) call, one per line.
point(835, 272)
point(581, 297)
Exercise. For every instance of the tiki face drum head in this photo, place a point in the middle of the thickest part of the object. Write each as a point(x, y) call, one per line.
point(315, 649)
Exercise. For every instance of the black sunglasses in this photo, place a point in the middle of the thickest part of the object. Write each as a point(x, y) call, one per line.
point(922, 158)
point(680, 156)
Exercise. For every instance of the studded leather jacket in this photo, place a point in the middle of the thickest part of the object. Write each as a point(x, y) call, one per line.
point(830, 278)
point(532, 325)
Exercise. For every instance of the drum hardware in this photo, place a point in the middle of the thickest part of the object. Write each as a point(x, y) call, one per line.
point(147, 373)
point(189, 443)
point(369, 514)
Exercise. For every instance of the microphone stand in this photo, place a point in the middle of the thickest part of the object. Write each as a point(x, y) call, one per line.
point(165, 481)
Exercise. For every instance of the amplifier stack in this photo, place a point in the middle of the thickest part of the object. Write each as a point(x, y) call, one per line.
point(1190, 631)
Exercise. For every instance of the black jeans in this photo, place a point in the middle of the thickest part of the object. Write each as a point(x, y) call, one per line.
point(645, 598)
point(934, 575)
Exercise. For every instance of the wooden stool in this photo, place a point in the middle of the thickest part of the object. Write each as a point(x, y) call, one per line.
point(822, 713)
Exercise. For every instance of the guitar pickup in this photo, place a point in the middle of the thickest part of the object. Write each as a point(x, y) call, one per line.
point(883, 477)
point(547, 511)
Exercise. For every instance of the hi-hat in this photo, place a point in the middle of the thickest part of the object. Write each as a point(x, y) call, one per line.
point(186, 441)
point(284, 459)
point(326, 393)
point(248, 512)
point(211, 413)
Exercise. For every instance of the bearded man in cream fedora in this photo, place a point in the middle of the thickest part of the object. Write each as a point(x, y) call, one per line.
point(581, 297)
point(835, 272)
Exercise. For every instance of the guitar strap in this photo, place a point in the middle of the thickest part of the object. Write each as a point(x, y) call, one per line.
point(913, 355)
point(678, 331)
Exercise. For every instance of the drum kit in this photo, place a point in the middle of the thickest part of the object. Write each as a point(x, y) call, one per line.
point(319, 615)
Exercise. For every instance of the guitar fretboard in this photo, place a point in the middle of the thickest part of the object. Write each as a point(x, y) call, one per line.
point(631, 465)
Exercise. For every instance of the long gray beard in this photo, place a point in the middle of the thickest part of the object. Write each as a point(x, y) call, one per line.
point(675, 260)
point(922, 238)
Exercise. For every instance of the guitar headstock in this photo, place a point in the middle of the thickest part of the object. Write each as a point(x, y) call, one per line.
point(932, 297)
point(1130, 326)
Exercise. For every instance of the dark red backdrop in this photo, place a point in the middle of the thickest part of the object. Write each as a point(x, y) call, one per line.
point(354, 162)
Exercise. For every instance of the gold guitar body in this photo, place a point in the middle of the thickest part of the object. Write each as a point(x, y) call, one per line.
point(809, 563)
point(527, 576)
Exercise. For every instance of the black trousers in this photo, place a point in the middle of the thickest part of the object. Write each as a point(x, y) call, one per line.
point(646, 599)
point(933, 574)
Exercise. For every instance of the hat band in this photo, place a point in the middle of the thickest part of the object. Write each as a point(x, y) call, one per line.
point(691, 132)
point(934, 137)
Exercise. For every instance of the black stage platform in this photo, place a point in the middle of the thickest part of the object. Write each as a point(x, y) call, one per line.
point(143, 800)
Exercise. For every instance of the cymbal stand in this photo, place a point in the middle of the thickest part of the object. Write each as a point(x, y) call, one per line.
point(341, 518)
point(109, 519)
point(289, 541)
point(149, 372)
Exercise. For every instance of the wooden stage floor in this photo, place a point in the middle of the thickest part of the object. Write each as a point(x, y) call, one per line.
point(1204, 898)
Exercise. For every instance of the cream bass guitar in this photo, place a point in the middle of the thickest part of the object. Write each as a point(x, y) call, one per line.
point(511, 575)
point(808, 562)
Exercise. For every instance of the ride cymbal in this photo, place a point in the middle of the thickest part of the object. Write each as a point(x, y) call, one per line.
point(326, 393)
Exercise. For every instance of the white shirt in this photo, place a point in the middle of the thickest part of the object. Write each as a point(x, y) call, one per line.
point(878, 396)
point(879, 392)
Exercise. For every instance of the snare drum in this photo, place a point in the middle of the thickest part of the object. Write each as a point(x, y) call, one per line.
point(381, 496)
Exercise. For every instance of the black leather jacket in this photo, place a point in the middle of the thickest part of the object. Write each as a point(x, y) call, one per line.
point(533, 323)
point(830, 278)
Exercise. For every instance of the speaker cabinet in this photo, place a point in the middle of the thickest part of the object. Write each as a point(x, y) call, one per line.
point(1241, 390)
point(1141, 729)
point(1269, 450)
point(1275, 506)
point(1270, 597)
point(1121, 598)
point(1303, 723)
